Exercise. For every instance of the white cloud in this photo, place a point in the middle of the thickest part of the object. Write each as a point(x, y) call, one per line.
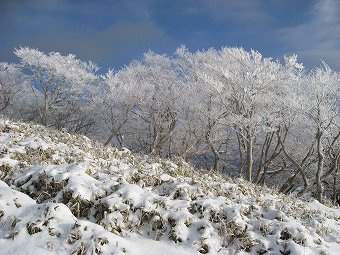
point(319, 37)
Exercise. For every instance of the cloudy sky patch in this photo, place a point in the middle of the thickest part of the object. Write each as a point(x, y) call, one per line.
point(112, 33)
point(317, 37)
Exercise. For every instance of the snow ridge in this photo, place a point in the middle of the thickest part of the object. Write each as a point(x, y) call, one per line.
point(66, 194)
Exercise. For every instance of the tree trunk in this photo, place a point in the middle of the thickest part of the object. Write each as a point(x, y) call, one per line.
point(321, 156)
point(334, 188)
point(46, 108)
point(217, 158)
point(6, 101)
point(110, 138)
point(240, 149)
point(263, 161)
point(250, 144)
point(299, 167)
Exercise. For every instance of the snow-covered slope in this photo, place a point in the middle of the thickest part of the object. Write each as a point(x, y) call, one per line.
point(65, 194)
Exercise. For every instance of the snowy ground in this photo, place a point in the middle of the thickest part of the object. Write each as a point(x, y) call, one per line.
point(65, 194)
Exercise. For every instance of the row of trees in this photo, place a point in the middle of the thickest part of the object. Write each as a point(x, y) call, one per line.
point(231, 110)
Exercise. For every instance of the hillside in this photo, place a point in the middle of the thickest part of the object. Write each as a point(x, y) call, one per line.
point(66, 194)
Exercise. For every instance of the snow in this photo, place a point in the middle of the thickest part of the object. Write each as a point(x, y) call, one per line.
point(65, 194)
point(61, 222)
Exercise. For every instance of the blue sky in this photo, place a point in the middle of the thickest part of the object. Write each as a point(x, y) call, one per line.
point(112, 33)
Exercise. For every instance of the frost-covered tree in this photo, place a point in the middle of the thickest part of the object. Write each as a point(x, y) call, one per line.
point(312, 143)
point(12, 83)
point(140, 104)
point(242, 93)
point(322, 108)
point(158, 112)
point(114, 101)
point(255, 89)
point(61, 84)
point(203, 102)
point(280, 111)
